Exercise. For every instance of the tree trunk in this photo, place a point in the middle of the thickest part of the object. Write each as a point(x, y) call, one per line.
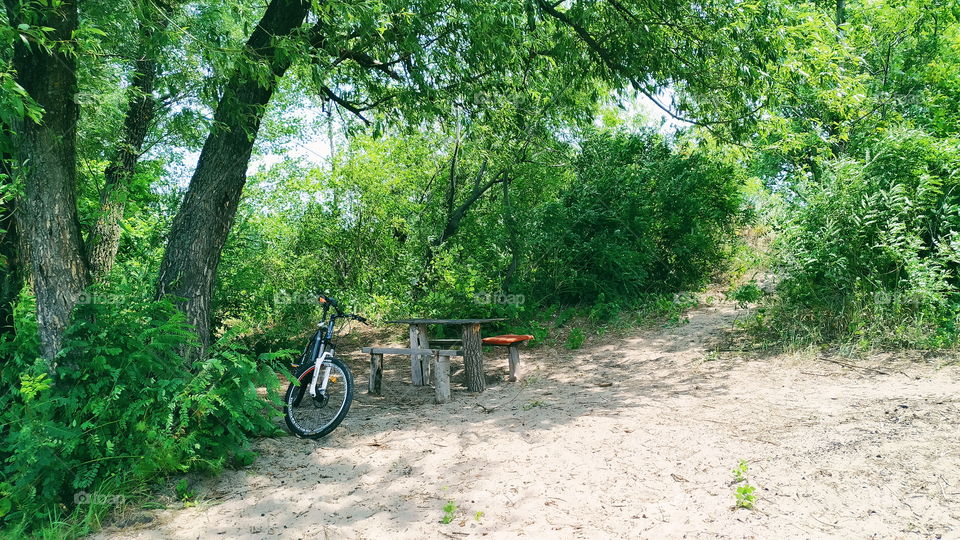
point(104, 236)
point(473, 358)
point(200, 227)
point(455, 215)
point(46, 153)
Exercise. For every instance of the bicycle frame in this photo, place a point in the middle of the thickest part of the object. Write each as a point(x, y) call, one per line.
point(320, 355)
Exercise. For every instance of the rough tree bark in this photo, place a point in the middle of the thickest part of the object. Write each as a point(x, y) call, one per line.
point(104, 237)
point(473, 358)
point(46, 155)
point(206, 214)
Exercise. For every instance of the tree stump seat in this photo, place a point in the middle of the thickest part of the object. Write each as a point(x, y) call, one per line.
point(511, 342)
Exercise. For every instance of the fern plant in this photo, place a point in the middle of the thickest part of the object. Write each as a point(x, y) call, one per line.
point(123, 411)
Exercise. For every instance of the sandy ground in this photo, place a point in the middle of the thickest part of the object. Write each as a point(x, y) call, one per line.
point(833, 452)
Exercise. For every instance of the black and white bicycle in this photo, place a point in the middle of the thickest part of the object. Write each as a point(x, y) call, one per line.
point(319, 399)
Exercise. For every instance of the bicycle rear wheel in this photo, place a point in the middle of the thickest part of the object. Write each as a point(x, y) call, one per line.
point(313, 417)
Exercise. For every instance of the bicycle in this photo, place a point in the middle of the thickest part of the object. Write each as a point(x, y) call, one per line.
point(319, 399)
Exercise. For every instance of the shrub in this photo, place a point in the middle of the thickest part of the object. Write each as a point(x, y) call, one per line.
point(641, 217)
point(123, 411)
point(575, 339)
point(747, 293)
point(870, 253)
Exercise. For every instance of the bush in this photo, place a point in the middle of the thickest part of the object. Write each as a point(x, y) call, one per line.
point(640, 218)
point(748, 293)
point(575, 339)
point(123, 411)
point(871, 252)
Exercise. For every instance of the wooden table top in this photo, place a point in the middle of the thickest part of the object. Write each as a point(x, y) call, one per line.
point(445, 321)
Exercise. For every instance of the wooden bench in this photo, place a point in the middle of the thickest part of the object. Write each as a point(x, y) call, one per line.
point(439, 358)
point(512, 342)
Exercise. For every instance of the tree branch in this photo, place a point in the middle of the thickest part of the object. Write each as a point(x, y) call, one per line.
point(355, 109)
point(368, 61)
point(452, 194)
point(617, 68)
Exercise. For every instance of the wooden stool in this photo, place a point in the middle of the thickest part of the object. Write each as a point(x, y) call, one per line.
point(512, 342)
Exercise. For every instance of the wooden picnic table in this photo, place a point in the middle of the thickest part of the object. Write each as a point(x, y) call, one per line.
point(472, 349)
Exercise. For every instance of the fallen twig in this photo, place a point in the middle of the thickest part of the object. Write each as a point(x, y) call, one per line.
point(489, 410)
point(853, 366)
point(835, 526)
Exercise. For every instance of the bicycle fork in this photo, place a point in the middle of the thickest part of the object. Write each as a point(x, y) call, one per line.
point(321, 362)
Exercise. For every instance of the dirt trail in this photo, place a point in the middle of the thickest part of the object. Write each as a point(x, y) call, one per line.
point(834, 452)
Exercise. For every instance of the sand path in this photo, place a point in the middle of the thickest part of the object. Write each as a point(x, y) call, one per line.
point(832, 451)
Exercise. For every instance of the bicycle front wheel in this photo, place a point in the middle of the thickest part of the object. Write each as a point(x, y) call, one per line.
point(313, 417)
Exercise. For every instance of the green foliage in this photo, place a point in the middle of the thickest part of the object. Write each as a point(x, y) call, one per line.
point(862, 157)
point(660, 219)
point(15, 104)
point(743, 494)
point(575, 339)
point(449, 512)
point(884, 65)
point(126, 415)
point(641, 217)
point(485, 107)
point(740, 471)
point(184, 491)
point(748, 293)
point(871, 253)
point(532, 405)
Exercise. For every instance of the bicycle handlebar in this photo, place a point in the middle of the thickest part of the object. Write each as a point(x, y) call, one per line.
point(331, 301)
point(324, 299)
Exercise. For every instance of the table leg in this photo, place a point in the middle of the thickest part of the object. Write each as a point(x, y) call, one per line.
point(376, 373)
point(419, 364)
point(416, 373)
point(426, 362)
point(514, 354)
point(473, 358)
point(441, 378)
